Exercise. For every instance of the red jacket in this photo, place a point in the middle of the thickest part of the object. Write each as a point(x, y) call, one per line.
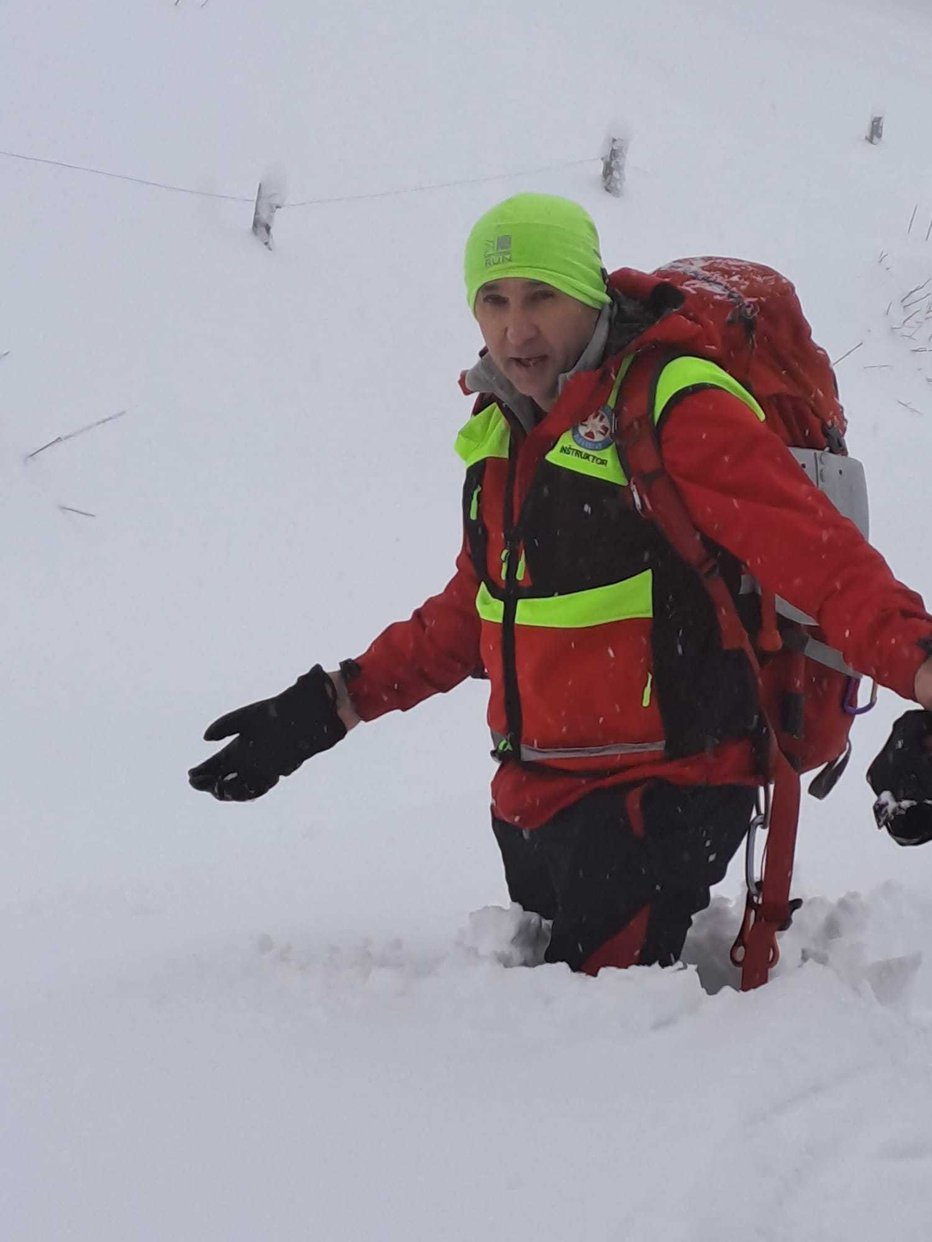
point(744, 491)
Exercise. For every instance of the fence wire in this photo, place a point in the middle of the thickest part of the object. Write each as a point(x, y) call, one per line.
point(307, 202)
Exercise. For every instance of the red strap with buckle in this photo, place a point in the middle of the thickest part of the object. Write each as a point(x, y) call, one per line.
point(769, 909)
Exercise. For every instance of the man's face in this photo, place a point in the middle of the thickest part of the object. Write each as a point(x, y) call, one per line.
point(534, 333)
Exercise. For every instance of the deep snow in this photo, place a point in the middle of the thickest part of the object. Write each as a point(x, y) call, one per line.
point(290, 1020)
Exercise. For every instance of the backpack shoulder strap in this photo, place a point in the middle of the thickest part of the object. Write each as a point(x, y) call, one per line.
point(638, 409)
point(656, 497)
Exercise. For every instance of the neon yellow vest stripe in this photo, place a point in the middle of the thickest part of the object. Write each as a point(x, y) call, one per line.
point(620, 601)
point(689, 372)
point(485, 435)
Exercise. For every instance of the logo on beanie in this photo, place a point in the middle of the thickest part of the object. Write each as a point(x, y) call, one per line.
point(595, 433)
point(498, 252)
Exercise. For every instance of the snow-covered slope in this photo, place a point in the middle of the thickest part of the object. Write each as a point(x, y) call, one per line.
point(283, 1020)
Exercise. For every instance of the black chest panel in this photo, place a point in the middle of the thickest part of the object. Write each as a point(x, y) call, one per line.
point(580, 532)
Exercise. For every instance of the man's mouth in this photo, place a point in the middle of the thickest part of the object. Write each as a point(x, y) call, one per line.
point(532, 363)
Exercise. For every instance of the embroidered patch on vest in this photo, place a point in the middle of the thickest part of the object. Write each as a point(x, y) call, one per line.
point(596, 432)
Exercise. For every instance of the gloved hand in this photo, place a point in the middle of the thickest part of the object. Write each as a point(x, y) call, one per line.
point(901, 777)
point(275, 737)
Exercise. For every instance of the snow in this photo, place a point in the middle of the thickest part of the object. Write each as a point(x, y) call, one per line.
point(294, 1019)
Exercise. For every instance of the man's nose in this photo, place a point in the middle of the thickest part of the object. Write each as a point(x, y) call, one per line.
point(520, 327)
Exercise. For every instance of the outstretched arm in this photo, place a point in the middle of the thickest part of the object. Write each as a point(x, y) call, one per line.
point(746, 492)
point(430, 653)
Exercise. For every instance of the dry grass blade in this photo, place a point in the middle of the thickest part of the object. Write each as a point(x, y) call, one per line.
point(848, 354)
point(71, 509)
point(911, 315)
point(905, 296)
point(71, 434)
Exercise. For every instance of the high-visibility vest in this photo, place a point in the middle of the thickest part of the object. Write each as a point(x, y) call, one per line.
point(598, 641)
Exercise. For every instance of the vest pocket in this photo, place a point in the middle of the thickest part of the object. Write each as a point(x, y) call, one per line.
point(589, 688)
point(583, 664)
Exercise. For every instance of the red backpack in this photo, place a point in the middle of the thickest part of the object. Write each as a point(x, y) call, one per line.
point(750, 323)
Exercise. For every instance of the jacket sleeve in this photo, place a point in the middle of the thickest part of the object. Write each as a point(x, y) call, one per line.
point(744, 490)
point(430, 653)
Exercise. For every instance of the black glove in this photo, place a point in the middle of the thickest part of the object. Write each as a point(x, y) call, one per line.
point(275, 737)
point(901, 777)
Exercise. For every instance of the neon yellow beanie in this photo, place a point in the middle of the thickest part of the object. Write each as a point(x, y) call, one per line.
point(539, 237)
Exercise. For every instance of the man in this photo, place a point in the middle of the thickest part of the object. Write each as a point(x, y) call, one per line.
point(623, 731)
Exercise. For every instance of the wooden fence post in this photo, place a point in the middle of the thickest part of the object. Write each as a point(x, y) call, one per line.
point(613, 166)
point(268, 200)
point(875, 132)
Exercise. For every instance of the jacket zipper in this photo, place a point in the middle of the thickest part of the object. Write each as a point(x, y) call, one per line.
point(510, 609)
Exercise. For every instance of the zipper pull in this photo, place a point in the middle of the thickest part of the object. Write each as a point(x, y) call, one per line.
point(645, 697)
point(522, 565)
point(474, 503)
